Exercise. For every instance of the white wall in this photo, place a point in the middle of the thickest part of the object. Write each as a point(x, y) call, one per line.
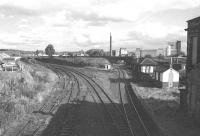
point(124, 52)
point(165, 75)
point(147, 69)
point(168, 50)
point(117, 53)
point(143, 68)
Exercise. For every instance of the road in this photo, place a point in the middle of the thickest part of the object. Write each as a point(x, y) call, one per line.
point(84, 108)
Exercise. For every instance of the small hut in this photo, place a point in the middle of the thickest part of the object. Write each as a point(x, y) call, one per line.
point(148, 66)
point(168, 77)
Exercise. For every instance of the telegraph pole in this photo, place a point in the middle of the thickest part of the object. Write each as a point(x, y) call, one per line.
point(110, 44)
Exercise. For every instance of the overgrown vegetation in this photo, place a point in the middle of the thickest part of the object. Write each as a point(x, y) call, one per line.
point(23, 92)
point(77, 61)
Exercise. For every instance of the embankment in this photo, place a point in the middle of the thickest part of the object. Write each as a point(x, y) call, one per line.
point(22, 92)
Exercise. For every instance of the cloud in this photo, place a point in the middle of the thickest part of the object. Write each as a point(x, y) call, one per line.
point(176, 17)
point(9, 10)
point(138, 40)
point(76, 24)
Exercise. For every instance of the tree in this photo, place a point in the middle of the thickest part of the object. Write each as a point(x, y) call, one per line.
point(148, 56)
point(36, 53)
point(95, 52)
point(49, 50)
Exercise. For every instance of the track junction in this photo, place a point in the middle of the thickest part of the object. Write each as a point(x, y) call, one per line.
point(85, 108)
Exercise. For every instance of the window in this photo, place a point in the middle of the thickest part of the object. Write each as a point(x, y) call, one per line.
point(194, 50)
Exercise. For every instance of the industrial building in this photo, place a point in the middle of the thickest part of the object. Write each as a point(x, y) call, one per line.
point(174, 48)
point(122, 52)
point(151, 52)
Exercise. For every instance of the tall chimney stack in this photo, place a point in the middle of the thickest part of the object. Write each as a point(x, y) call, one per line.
point(110, 44)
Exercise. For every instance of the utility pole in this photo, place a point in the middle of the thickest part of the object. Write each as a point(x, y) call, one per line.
point(110, 44)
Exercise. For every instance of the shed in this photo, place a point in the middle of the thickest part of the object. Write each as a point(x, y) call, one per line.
point(9, 64)
point(168, 77)
point(148, 66)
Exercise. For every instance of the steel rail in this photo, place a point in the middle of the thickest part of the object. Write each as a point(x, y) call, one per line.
point(123, 106)
point(134, 106)
point(35, 132)
point(86, 78)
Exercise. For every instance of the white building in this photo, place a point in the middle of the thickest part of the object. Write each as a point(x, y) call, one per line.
point(168, 77)
point(9, 64)
point(123, 52)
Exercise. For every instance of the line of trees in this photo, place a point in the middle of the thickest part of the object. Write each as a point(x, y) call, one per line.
point(95, 52)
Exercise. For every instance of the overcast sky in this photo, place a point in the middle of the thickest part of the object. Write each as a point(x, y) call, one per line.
point(84, 24)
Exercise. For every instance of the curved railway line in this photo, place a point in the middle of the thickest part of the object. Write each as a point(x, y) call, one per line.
point(122, 126)
point(123, 119)
point(48, 108)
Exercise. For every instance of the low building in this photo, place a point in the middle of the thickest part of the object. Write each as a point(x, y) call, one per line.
point(9, 64)
point(148, 66)
point(167, 77)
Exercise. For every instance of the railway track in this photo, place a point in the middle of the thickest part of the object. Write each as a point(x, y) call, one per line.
point(34, 128)
point(122, 120)
point(91, 85)
point(133, 117)
point(119, 121)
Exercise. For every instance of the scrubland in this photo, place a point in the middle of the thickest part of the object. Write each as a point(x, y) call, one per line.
point(23, 92)
point(163, 106)
point(77, 61)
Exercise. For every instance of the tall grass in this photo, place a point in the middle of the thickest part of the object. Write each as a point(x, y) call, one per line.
point(19, 93)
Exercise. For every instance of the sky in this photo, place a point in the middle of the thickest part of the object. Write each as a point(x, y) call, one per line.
point(72, 25)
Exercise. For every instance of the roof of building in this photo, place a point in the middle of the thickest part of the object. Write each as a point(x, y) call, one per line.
point(8, 60)
point(161, 68)
point(194, 19)
point(148, 61)
point(4, 55)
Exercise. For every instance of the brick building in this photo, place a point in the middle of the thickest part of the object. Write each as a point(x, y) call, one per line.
point(193, 67)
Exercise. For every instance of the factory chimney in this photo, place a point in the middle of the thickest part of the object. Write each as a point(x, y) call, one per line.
point(110, 44)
